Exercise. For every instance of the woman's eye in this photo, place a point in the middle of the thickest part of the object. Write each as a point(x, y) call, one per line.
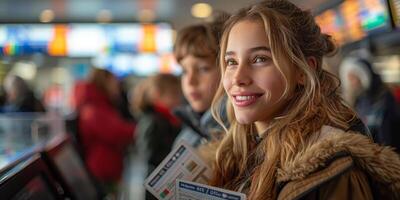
point(259, 59)
point(230, 62)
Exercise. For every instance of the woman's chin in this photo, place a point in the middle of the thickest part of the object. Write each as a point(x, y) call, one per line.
point(244, 121)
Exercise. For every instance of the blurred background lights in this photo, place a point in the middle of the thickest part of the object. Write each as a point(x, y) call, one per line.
point(25, 69)
point(104, 16)
point(146, 15)
point(201, 10)
point(46, 16)
point(59, 75)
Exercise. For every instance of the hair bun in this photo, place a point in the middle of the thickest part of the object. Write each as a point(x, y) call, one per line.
point(329, 46)
point(217, 24)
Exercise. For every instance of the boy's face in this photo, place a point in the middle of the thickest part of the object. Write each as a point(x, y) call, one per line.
point(200, 81)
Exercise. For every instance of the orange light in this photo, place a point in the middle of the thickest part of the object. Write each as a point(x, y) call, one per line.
point(148, 43)
point(165, 63)
point(58, 46)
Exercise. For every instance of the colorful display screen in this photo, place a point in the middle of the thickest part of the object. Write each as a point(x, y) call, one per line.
point(85, 40)
point(140, 49)
point(25, 39)
point(141, 64)
point(331, 22)
point(352, 20)
point(374, 15)
point(350, 11)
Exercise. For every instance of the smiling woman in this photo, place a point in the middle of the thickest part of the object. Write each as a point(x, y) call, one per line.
point(289, 134)
point(251, 79)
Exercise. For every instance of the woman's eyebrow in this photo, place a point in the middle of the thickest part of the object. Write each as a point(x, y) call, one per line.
point(229, 53)
point(259, 48)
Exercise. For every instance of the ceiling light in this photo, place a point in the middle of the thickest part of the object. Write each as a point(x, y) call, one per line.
point(104, 16)
point(46, 16)
point(146, 15)
point(201, 10)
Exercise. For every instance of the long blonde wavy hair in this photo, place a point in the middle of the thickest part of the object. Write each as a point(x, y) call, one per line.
point(294, 37)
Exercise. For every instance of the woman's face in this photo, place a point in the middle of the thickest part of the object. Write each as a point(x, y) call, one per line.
point(252, 81)
point(200, 81)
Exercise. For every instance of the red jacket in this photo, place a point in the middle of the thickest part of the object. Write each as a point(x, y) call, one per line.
point(397, 94)
point(104, 133)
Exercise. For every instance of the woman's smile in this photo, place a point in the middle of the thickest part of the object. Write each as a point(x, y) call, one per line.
point(244, 100)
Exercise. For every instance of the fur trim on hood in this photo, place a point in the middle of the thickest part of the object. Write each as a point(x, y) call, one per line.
point(381, 163)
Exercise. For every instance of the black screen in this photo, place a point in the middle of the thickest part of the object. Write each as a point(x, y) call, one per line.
point(72, 169)
point(35, 189)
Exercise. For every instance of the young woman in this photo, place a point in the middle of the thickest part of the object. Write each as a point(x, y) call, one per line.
point(287, 137)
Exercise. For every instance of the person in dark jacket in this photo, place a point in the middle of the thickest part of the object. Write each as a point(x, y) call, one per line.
point(19, 97)
point(372, 99)
point(102, 130)
point(152, 102)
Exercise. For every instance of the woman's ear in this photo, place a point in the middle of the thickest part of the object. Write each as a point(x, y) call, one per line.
point(312, 62)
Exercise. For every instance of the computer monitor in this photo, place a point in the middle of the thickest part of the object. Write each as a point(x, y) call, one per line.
point(64, 161)
point(29, 180)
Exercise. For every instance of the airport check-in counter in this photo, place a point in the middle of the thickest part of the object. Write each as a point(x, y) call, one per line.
point(38, 160)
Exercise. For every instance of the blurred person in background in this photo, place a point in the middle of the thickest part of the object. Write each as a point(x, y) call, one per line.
point(102, 130)
point(19, 97)
point(196, 50)
point(373, 101)
point(396, 92)
point(53, 98)
point(123, 105)
point(152, 102)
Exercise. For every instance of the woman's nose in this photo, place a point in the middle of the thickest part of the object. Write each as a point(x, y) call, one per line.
point(242, 76)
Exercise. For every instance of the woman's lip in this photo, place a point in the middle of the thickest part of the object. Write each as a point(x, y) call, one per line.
point(243, 100)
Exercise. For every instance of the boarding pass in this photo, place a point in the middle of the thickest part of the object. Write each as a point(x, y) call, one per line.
point(181, 163)
point(187, 190)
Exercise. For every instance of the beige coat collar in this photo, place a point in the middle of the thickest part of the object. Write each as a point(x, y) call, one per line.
point(381, 163)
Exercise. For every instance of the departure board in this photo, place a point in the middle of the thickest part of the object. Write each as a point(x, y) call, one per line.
point(352, 20)
point(374, 15)
point(85, 40)
point(331, 22)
